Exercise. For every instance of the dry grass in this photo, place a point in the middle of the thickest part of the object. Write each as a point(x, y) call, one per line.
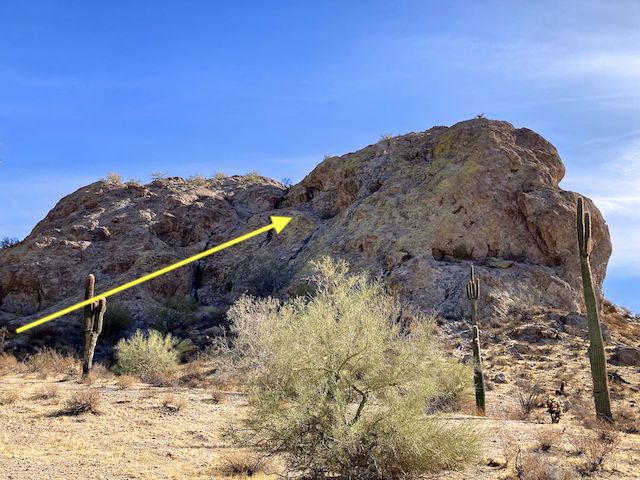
point(242, 464)
point(197, 180)
point(579, 444)
point(46, 392)
point(9, 396)
point(160, 377)
point(126, 381)
point(533, 466)
point(598, 451)
point(548, 439)
point(114, 178)
point(216, 397)
point(196, 373)
point(135, 437)
point(173, 404)
point(83, 401)
point(10, 365)
point(50, 362)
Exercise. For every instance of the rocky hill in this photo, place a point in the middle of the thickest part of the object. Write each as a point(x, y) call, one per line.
point(417, 209)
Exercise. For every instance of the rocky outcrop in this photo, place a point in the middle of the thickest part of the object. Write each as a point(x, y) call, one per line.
point(416, 209)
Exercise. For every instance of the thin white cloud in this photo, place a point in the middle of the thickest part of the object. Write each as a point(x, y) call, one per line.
point(616, 191)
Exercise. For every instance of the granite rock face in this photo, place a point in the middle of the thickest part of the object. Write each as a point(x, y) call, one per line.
point(416, 209)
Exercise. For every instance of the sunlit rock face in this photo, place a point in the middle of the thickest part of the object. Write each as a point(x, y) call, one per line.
point(416, 209)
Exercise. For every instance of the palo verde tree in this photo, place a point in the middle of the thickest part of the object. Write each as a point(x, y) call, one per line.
point(340, 382)
point(596, 344)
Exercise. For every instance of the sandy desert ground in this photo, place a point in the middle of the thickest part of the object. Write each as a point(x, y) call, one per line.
point(145, 432)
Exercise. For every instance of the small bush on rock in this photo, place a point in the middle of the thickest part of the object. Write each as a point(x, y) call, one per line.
point(340, 383)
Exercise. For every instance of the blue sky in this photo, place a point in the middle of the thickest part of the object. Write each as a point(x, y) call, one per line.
point(198, 87)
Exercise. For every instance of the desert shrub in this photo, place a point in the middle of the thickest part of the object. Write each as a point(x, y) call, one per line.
point(173, 404)
point(547, 439)
point(286, 181)
point(151, 356)
point(114, 178)
point(598, 450)
point(117, 322)
point(627, 419)
point(538, 467)
point(196, 373)
point(4, 333)
point(10, 364)
point(125, 381)
point(252, 178)
point(48, 361)
point(529, 397)
point(134, 182)
point(339, 385)
point(9, 396)
point(159, 175)
point(216, 397)
point(268, 278)
point(219, 176)
point(8, 242)
point(45, 393)
point(197, 180)
point(83, 401)
point(241, 464)
point(177, 312)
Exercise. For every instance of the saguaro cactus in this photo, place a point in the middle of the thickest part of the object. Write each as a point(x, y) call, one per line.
point(596, 344)
point(473, 293)
point(478, 375)
point(93, 321)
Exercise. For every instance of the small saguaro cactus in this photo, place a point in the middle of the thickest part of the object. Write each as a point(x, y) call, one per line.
point(473, 293)
point(596, 344)
point(93, 322)
point(478, 375)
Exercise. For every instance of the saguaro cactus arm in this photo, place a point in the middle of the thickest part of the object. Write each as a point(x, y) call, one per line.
point(473, 293)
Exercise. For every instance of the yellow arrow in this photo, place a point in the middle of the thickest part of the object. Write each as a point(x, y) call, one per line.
point(277, 223)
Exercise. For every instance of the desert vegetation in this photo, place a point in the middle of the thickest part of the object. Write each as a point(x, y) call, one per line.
point(332, 375)
point(339, 384)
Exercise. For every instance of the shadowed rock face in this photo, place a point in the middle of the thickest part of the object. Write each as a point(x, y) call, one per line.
point(416, 209)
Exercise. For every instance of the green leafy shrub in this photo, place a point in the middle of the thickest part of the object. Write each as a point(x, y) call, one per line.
point(117, 322)
point(177, 312)
point(268, 278)
point(340, 382)
point(151, 356)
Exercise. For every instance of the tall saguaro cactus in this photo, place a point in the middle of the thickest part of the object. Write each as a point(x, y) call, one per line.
point(596, 344)
point(473, 293)
point(93, 321)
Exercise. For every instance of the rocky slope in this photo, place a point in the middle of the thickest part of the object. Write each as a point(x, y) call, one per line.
point(416, 209)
